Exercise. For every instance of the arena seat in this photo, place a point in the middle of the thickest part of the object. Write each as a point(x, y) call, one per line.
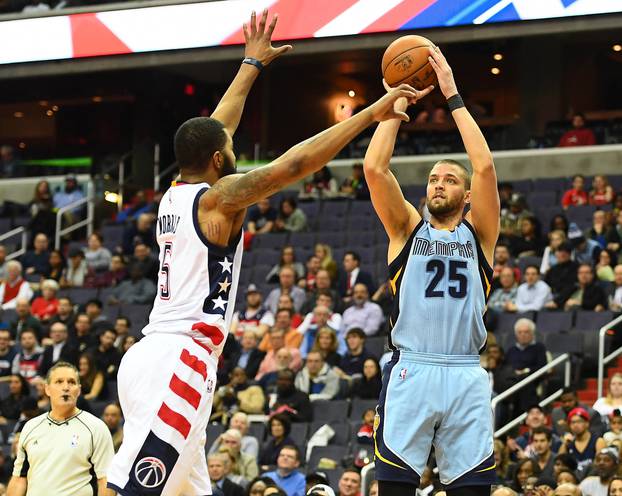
point(548, 322)
point(376, 345)
point(330, 411)
point(564, 342)
point(359, 406)
point(257, 430)
point(592, 321)
point(213, 431)
point(336, 453)
point(299, 433)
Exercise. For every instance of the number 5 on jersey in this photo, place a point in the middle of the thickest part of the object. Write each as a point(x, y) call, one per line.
point(165, 288)
point(438, 268)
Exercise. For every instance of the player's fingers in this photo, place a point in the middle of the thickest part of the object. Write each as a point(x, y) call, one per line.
point(425, 91)
point(403, 116)
point(245, 29)
point(434, 65)
point(409, 95)
point(406, 87)
point(262, 22)
point(283, 49)
point(253, 23)
point(272, 26)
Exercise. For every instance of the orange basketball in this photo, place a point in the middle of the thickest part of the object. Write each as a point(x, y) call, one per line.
point(406, 61)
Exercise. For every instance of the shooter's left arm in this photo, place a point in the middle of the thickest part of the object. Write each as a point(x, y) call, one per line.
point(485, 205)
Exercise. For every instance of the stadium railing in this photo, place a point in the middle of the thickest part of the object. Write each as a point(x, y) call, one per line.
point(24, 240)
point(602, 359)
point(564, 359)
point(88, 221)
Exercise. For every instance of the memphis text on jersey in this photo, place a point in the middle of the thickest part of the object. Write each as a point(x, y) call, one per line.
point(425, 247)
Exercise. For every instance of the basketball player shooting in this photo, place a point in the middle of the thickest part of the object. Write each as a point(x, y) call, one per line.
point(434, 391)
point(166, 381)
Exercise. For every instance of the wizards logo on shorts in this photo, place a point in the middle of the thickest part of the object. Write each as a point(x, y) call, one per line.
point(150, 472)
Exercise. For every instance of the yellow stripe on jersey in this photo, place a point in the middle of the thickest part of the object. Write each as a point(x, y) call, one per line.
point(487, 469)
point(382, 458)
point(487, 289)
point(393, 280)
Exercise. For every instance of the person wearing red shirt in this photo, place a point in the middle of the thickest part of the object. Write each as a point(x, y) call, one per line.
point(579, 135)
point(45, 306)
point(575, 196)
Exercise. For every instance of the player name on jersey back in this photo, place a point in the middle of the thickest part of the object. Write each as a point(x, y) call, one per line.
point(198, 280)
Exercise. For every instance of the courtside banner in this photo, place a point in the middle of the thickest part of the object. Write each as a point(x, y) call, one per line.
point(206, 24)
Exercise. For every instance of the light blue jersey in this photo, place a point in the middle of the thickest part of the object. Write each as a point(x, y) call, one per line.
point(440, 282)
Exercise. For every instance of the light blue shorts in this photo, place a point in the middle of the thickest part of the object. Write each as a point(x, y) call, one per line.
point(435, 400)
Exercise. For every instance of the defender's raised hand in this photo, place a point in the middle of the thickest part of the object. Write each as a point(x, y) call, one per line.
point(443, 72)
point(385, 108)
point(401, 104)
point(259, 39)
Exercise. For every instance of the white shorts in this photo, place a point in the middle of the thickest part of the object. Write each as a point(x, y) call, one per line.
point(166, 387)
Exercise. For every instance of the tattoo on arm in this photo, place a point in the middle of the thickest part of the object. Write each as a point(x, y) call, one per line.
point(213, 230)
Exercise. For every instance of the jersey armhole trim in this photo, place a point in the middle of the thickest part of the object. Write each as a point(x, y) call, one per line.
point(480, 253)
point(216, 249)
point(399, 261)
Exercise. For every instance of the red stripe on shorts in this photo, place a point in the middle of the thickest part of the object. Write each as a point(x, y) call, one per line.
point(194, 363)
point(185, 391)
point(209, 331)
point(202, 345)
point(174, 419)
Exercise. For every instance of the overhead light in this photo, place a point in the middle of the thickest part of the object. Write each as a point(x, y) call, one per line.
point(55, 108)
point(495, 70)
point(97, 99)
point(112, 197)
point(351, 93)
point(22, 145)
point(617, 48)
point(498, 56)
point(49, 113)
point(43, 103)
point(18, 115)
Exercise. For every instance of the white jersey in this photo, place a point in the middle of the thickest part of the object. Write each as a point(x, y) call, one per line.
point(198, 281)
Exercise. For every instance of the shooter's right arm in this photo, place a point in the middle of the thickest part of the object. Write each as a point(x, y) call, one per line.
point(398, 216)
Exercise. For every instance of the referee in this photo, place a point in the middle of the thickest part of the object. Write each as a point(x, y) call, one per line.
point(65, 452)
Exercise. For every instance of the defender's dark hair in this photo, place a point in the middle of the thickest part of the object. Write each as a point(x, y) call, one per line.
point(197, 140)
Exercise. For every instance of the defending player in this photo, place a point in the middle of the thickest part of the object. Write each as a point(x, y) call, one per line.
point(166, 381)
point(434, 391)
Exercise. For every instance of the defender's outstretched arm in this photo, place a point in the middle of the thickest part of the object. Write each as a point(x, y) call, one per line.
point(258, 47)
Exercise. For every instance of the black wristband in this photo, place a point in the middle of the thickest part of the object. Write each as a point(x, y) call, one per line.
point(253, 62)
point(455, 102)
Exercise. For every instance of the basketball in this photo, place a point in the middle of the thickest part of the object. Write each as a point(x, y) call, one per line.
point(406, 61)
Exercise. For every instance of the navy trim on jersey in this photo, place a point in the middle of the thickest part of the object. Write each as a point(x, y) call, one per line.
point(216, 249)
point(485, 272)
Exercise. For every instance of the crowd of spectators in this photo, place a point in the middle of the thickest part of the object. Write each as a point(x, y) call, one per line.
point(317, 334)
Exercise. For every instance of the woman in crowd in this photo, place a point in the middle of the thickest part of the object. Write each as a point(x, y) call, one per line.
point(97, 256)
point(615, 487)
point(43, 218)
point(326, 343)
point(368, 386)
point(127, 342)
point(566, 477)
point(291, 218)
point(556, 238)
point(288, 259)
point(559, 222)
point(45, 307)
point(279, 427)
point(325, 254)
point(43, 400)
point(91, 379)
point(606, 405)
point(322, 185)
point(11, 406)
point(258, 485)
point(607, 260)
point(525, 468)
point(602, 192)
point(56, 262)
point(529, 243)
